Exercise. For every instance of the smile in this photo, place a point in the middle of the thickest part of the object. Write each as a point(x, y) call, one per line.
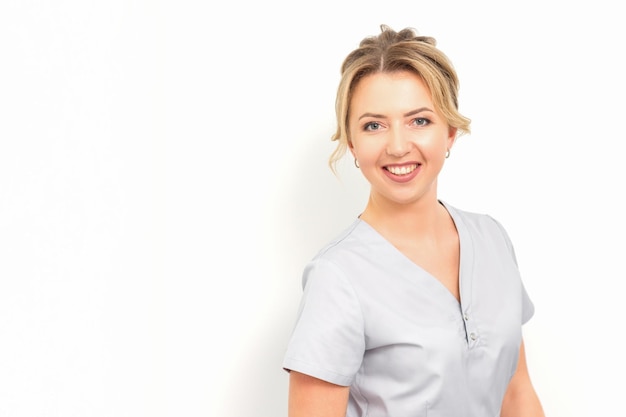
point(402, 170)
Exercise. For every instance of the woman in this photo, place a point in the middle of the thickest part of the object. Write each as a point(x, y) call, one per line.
point(417, 308)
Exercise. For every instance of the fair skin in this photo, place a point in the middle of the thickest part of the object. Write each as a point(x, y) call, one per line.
point(400, 141)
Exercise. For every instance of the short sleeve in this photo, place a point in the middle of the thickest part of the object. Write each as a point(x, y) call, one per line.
point(328, 339)
point(528, 308)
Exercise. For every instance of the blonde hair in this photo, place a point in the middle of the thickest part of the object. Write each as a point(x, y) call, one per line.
point(392, 51)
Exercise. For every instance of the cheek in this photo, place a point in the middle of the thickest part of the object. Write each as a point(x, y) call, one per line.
point(366, 152)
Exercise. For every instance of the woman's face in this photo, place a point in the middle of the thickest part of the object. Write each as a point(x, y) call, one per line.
point(397, 137)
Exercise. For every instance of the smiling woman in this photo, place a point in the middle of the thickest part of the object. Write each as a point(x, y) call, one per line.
point(397, 137)
point(417, 307)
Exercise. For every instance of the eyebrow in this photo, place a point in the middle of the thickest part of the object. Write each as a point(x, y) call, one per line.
point(411, 113)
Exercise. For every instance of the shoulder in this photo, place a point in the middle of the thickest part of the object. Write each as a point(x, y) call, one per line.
point(355, 240)
point(471, 217)
point(479, 224)
point(346, 256)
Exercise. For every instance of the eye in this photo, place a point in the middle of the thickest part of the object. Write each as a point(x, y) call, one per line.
point(421, 121)
point(371, 126)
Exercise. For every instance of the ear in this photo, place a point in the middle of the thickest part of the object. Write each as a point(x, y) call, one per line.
point(451, 136)
point(351, 147)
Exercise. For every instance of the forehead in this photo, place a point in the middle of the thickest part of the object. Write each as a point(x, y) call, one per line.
point(400, 91)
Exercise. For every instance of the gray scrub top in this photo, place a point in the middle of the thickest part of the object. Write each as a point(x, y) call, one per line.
point(373, 320)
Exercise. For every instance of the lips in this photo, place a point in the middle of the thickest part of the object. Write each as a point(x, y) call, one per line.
point(402, 174)
point(401, 170)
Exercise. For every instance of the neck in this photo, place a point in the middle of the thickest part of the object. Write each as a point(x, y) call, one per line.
point(421, 217)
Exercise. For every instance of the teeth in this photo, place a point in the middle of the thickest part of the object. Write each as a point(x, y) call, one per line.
point(403, 170)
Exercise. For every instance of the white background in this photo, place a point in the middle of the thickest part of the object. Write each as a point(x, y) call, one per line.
point(163, 181)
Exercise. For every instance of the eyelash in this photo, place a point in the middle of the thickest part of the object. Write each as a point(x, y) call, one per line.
point(425, 120)
point(419, 121)
point(368, 126)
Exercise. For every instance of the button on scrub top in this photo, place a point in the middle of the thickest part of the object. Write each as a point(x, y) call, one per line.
point(373, 320)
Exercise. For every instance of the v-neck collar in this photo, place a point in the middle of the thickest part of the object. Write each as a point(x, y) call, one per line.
point(466, 258)
point(466, 262)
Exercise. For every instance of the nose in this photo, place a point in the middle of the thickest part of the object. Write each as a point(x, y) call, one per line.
point(397, 144)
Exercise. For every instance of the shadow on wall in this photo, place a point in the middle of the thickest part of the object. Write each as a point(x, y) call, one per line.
point(321, 204)
point(309, 207)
